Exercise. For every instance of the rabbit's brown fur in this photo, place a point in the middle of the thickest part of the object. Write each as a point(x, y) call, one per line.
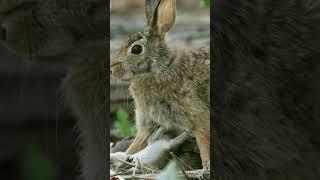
point(170, 86)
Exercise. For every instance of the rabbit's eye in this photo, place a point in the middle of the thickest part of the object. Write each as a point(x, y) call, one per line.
point(136, 49)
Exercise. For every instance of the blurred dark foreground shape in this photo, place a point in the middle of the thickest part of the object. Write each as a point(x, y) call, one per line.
point(266, 89)
point(42, 40)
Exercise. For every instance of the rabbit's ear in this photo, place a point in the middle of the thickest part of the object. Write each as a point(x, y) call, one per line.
point(164, 15)
point(150, 6)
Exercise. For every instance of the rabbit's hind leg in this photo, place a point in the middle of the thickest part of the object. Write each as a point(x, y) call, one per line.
point(202, 135)
point(140, 141)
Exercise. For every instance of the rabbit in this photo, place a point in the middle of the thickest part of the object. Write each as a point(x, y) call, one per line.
point(169, 85)
point(157, 152)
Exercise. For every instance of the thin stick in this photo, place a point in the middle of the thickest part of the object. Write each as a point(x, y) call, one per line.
point(180, 160)
point(134, 170)
point(190, 174)
point(133, 165)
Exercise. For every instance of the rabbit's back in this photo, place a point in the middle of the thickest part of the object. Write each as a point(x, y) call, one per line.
point(201, 73)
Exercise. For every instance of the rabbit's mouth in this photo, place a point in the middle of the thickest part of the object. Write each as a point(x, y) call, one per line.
point(119, 72)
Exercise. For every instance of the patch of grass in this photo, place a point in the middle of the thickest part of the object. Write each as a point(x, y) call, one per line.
point(122, 127)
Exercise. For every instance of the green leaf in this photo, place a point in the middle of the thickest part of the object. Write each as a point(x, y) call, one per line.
point(122, 117)
point(37, 166)
point(206, 3)
point(170, 172)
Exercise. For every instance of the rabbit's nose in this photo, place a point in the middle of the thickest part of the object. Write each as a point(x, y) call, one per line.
point(112, 66)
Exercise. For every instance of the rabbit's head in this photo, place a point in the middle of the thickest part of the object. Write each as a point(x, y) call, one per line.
point(146, 52)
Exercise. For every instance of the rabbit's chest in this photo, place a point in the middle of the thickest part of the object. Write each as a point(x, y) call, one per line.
point(161, 111)
point(167, 107)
